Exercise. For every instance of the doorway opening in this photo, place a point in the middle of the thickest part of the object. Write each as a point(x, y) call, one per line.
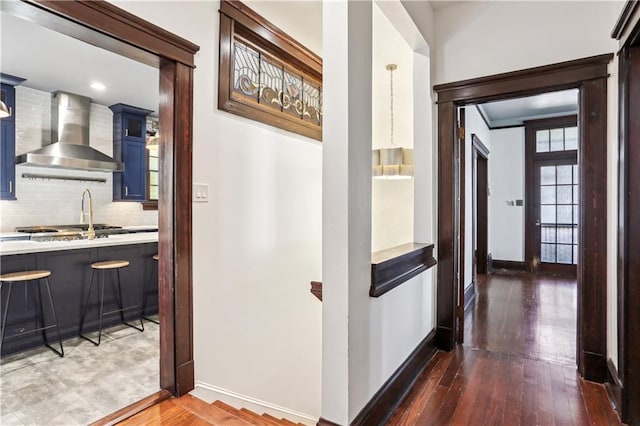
point(111, 28)
point(523, 151)
point(589, 77)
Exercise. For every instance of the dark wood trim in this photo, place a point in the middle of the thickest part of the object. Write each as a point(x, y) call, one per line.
point(531, 192)
point(316, 289)
point(510, 126)
point(246, 16)
point(626, 22)
point(469, 296)
point(512, 265)
point(589, 75)
point(614, 386)
point(545, 123)
point(629, 227)
point(149, 205)
point(446, 284)
point(481, 202)
point(397, 265)
point(592, 251)
point(384, 402)
point(479, 146)
point(461, 177)
point(238, 19)
point(531, 81)
point(182, 227)
point(109, 20)
point(133, 409)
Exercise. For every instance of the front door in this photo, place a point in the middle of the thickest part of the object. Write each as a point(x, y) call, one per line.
point(552, 190)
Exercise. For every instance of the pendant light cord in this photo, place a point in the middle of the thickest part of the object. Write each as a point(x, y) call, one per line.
point(391, 106)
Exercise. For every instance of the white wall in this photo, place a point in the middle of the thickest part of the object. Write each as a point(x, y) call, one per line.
point(365, 339)
point(256, 243)
point(57, 202)
point(506, 183)
point(474, 124)
point(483, 38)
point(391, 200)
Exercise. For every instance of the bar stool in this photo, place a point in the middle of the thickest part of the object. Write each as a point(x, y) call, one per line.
point(150, 289)
point(25, 277)
point(104, 266)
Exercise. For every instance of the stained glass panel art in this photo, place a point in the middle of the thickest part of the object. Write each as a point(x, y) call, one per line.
point(246, 70)
point(292, 94)
point(312, 103)
point(271, 77)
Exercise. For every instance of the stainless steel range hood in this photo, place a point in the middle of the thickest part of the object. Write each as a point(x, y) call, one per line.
point(70, 133)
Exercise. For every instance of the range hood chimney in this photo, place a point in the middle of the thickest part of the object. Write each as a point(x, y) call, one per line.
point(70, 135)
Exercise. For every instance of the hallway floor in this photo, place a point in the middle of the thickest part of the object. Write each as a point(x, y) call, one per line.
point(517, 366)
point(37, 387)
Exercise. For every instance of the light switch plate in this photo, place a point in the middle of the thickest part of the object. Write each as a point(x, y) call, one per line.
point(200, 193)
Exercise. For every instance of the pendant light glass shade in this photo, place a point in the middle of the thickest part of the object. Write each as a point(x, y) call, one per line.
point(4, 110)
point(395, 162)
point(392, 163)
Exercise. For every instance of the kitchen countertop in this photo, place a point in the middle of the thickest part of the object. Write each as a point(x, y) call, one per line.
point(25, 247)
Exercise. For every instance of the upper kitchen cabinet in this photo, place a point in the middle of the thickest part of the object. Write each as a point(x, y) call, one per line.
point(8, 138)
point(129, 134)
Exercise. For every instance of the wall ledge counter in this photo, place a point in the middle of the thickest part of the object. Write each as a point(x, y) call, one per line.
point(12, 247)
point(396, 265)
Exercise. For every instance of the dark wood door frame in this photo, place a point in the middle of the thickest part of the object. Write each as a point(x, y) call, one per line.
point(589, 75)
point(107, 26)
point(530, 215)
point(460, 279)
point(623, 380)
point(480, 169)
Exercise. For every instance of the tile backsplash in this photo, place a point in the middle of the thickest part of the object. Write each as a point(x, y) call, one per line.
point(56, 202)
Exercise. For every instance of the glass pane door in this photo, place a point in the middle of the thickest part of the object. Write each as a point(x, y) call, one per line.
point(558, 213)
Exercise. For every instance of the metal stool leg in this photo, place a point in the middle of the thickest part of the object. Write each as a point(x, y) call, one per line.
point(86, 303)
point(55, 318)
point(145, 295)
point(4, 317)
point(119, 298)
point(101, 300)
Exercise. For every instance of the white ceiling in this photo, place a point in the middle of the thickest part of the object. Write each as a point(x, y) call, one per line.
point(441, 4)
point(52, 61)
point(513, 112)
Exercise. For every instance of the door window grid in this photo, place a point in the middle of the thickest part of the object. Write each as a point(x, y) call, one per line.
point(559, 214)
point(559, 139)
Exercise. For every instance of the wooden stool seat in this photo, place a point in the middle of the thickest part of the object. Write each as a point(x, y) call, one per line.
point(110, 264)
point(102, 268)
point(24, 276)
point(155, 257)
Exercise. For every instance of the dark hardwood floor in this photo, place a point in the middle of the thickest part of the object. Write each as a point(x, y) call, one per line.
point(517, 366)
point(530, 315)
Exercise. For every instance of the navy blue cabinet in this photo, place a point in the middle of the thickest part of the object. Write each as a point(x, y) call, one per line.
point(129, 147)
point(8, 145)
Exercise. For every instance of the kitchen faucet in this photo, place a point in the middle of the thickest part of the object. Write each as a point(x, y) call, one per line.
point(91, 233)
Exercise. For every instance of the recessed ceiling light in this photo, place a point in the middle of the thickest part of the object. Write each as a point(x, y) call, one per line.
point(98, 86)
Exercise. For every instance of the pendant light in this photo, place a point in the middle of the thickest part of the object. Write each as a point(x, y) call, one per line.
point(395, 162)
point(4, 110)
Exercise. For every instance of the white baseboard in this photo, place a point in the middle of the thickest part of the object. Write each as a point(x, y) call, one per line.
point(210, 393)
